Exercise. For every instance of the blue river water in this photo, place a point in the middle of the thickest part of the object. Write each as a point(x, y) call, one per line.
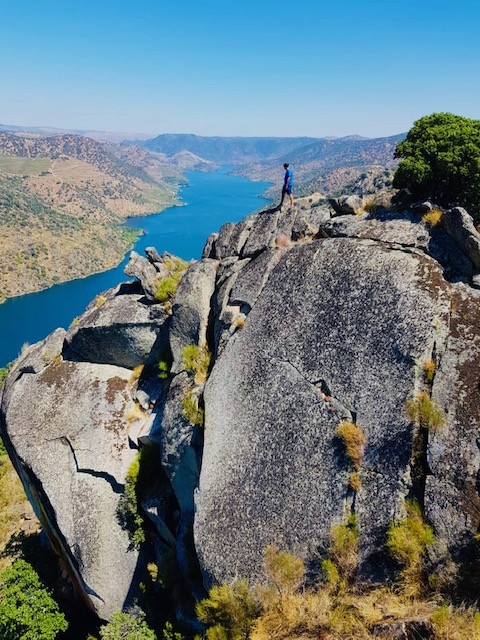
point(211, 200)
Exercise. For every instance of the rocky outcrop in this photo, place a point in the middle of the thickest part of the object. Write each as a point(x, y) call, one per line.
point(310, 320)
point(120, 327)
point(346, 205)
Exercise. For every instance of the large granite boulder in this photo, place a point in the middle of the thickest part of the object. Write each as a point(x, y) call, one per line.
point(69, 443)
point(342, 318)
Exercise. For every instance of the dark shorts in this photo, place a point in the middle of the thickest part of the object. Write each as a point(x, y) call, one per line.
point(288, 190)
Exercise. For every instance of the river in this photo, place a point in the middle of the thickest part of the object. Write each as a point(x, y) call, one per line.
point(211, 200)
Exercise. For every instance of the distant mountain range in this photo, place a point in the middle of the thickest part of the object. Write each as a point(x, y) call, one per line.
point(114, 137)
point(317, 158)
point(319, 163)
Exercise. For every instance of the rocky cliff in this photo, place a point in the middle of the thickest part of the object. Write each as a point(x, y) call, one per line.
point(304, 319)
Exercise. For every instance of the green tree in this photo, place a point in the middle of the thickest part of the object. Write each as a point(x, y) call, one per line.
point(124, 626)
point(27, 610)
point(441, 161)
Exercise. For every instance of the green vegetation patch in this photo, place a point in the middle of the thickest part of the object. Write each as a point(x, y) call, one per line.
point(124, 626)
point(27, 610)
point(140, 476)
point(440, 161)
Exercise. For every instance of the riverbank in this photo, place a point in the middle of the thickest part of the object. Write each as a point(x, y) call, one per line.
point(211, 199)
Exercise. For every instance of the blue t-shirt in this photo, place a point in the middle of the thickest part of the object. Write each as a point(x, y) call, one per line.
point(288, 174)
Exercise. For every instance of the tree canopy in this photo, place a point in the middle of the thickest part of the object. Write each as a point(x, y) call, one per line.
point(441, 161)
point(27, 610)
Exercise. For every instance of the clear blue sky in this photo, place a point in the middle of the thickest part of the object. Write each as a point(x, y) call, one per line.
point(238, 67)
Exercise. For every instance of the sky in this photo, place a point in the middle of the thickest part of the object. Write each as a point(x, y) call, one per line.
point(252, 68)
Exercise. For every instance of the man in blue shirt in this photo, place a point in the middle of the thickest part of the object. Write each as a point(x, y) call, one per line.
point(287, 184)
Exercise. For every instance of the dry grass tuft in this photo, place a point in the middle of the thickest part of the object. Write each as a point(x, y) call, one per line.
point(428, 367)
point(433, 217)
point(343, 549)
point(421, 408)
point(191, 410)
point(407, 542)
point(354, 481)
point(455, 624)
point(283, 241)
point(134, 412)
point(136, 372)
point(353, 439)
point(196, 360)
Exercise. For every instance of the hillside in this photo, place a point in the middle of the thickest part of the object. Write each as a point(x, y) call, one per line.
point(225, 150)
point(308, 388)
point(62, 199)
point(314, 161)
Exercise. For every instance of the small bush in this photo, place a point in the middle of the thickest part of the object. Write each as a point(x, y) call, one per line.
point(423, 409)
point(428, 367)
point(166, 288)
point(196, 360)
point(169, 633)
point(191, 411)
point(124, 626)
point(229, 611)
point(407, 542)
point(433, 217)
point(353, 439)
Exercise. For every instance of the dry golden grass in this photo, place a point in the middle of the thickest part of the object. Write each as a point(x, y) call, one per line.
point(100, 300)
point(428, 368)
point(407, 542)
point(456, 624)
point(136, 372)
point(134, 412)
point(433, 217)
point(354, 481)
point(16, 514)
point(353, 439)
point(283, 241)
point(240, 322)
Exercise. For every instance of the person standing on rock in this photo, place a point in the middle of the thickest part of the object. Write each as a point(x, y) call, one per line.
point(287, 185)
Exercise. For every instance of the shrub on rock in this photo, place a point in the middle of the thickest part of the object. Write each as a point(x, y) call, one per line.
point(441, 161)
